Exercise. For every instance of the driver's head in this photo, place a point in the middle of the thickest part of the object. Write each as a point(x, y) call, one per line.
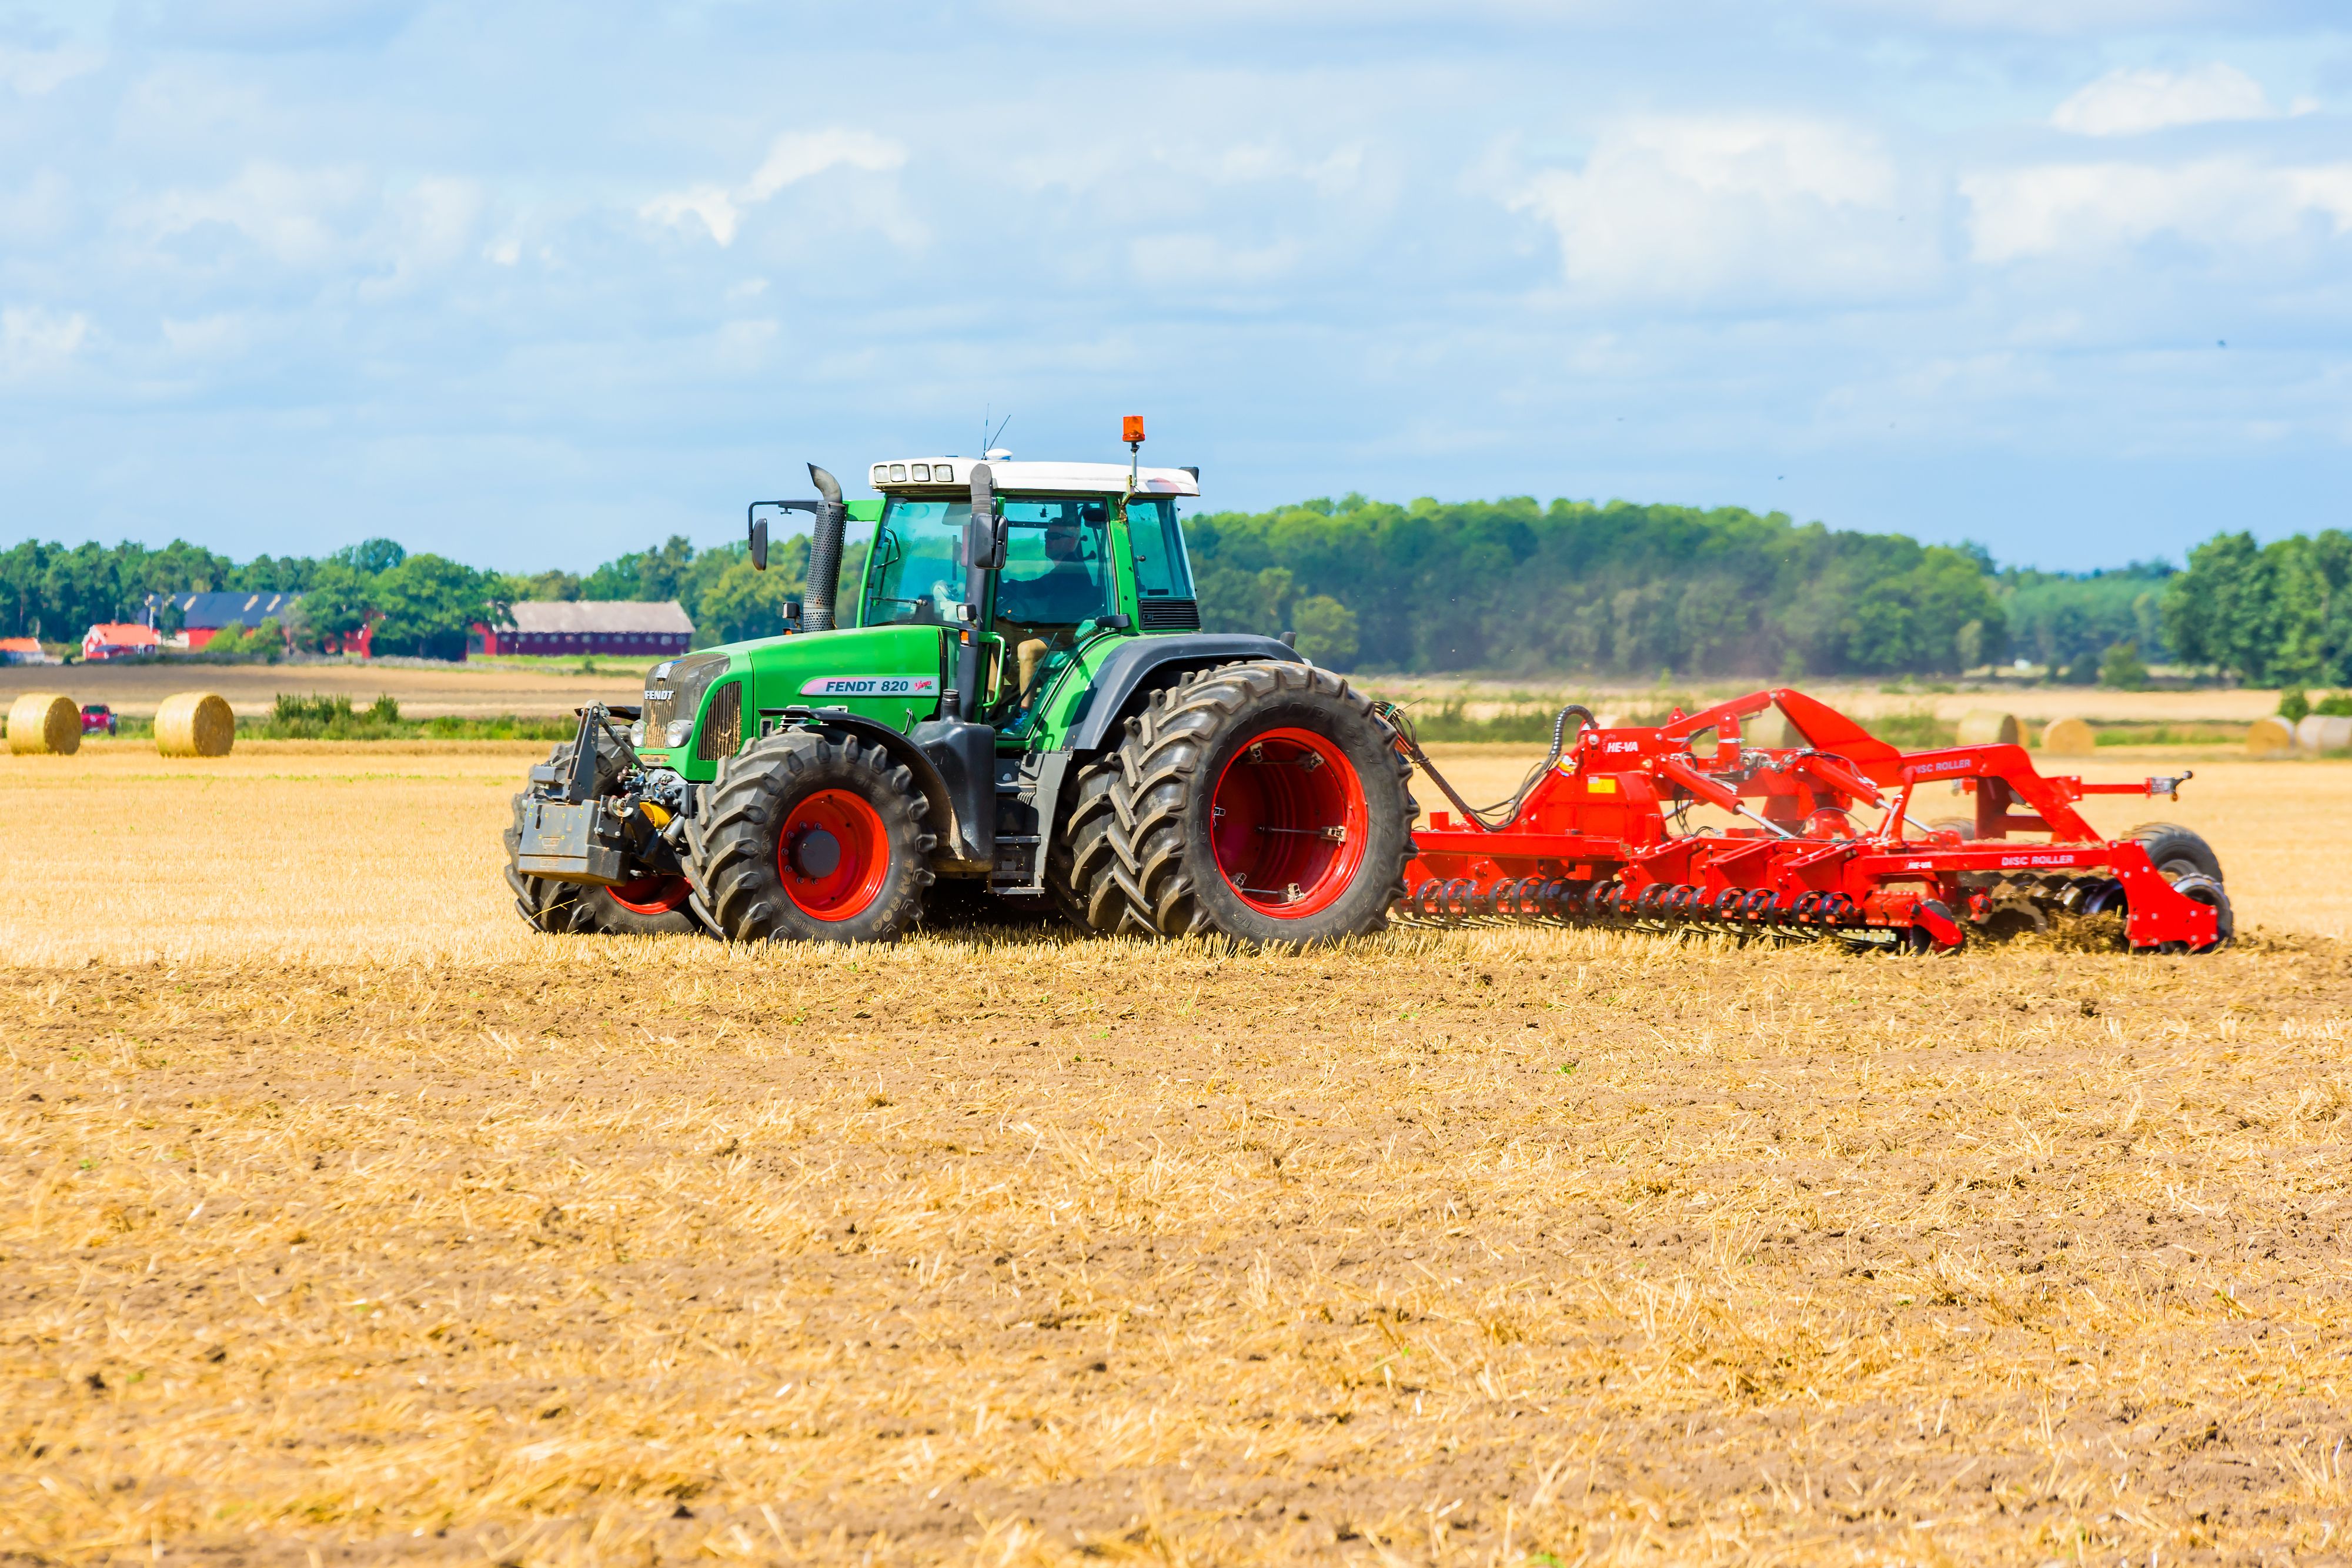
point(1062, 539)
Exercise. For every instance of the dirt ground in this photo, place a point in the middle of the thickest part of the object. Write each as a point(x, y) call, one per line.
point(343, 1220)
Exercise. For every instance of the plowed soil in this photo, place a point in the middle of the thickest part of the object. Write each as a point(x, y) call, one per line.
point(342, 1221)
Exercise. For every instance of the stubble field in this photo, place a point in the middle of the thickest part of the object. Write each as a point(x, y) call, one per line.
point(342, 1219)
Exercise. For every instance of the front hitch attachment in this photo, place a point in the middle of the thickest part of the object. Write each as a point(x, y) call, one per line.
point(569, 831)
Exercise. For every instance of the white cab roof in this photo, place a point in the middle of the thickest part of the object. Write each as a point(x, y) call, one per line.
point(897, 476)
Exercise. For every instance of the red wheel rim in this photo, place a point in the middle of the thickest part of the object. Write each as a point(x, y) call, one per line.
point(653, 894)
point(1287, 822)
point(833, 854)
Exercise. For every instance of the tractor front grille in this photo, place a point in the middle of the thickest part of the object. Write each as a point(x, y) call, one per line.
point(1168, 615)
point(722, 724)
point(674, 690)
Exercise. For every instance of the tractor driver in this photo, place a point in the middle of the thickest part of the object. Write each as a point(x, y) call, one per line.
point(1037, 612)
point(1070, 588)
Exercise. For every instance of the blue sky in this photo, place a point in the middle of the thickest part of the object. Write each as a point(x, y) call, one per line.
point(532, 284)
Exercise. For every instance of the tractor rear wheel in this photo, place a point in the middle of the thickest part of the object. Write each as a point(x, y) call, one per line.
point(806, 837)
point(1262, 800)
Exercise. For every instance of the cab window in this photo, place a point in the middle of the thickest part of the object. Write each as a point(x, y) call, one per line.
point(916, 576)
point(1158, 540)
point(1056, 562)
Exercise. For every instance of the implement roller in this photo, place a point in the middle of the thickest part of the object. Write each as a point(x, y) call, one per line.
point(1602, 834)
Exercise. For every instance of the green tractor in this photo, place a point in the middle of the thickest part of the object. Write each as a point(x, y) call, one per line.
point(1016, 704)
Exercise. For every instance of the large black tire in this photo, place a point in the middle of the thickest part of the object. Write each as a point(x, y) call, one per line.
point(781, 849)
point(566, 908)
point(2177, 852)
point(1158, 833)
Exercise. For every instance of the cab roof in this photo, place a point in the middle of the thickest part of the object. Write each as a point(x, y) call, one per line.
point(896, 477)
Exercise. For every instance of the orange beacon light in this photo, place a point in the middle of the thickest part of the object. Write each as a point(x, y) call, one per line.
point(1130, 429)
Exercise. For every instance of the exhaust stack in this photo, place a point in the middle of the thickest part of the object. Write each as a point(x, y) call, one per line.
point(818, 596)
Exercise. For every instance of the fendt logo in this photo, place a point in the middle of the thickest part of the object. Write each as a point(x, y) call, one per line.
point(872, 686)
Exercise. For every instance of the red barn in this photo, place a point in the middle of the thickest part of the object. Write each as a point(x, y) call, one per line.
point(622, 626)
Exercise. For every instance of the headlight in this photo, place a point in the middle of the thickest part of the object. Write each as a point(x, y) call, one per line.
point(922, 472)
point(637, 733)
point(899, 472)
point(679, 729)
point(942, 475)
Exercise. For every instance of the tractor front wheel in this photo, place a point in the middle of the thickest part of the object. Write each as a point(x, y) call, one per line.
point(1263, 801)
point(808, 838)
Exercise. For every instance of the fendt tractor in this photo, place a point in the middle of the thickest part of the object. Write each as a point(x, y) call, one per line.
point(1023, 708)
point(1017, 704)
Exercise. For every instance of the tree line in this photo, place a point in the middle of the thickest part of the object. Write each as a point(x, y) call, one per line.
point(1517, 588)
point(1508, 586)
point(421, 604)
point(2273, 614)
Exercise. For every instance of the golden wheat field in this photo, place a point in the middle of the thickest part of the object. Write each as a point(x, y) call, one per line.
point(342, 1221)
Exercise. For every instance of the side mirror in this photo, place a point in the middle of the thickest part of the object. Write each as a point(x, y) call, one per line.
point(759, 544)
point(983, 543)
point(983, 538)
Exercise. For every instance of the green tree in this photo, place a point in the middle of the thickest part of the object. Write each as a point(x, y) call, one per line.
point(2120, 668)
point(372, 558)
point(547, 586)
point(2222, 611)
point(741, 602)
point(1326, 631)
point(338, 602)
point(429, 602)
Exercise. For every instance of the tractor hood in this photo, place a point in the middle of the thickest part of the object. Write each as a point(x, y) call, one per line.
point(705, 705)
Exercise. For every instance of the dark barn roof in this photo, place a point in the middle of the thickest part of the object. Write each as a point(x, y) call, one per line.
point(213, 610)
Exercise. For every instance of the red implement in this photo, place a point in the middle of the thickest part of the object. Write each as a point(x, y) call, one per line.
point(1602, 835)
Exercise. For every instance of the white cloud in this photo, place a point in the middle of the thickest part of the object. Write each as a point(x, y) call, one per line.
point(1712, 209)
point(2128, 102)
point(1198, 260)
point(793, 157)
point(35, 72)
point(206, 337)
point(803, 155)
point(712, 205)
point(300, 216)
point(33, 339)
point(2219, 204)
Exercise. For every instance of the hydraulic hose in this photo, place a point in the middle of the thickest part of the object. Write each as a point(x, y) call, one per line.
point(1492, 817)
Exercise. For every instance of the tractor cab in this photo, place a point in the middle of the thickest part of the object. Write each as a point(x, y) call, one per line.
point(1086, 552)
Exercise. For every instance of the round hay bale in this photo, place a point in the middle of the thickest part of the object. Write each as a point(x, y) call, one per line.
point(1983, 727)
point(2324, 732)
point(2271, 736)
point(43, 724)
point(194, 723)
point(2069, 738)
